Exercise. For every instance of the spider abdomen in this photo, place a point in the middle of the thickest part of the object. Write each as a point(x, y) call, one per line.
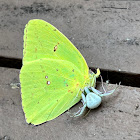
point(93, 100)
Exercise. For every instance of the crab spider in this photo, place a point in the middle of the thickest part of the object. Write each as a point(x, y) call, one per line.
point(91, 98)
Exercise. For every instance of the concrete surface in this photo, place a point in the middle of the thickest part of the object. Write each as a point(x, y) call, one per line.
point(107, 33)
point(118, 117)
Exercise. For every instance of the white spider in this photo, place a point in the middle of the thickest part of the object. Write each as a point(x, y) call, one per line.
point(91, 98)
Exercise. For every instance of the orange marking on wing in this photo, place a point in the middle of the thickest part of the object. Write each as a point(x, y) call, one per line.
point(77, 84)
point(35, 49)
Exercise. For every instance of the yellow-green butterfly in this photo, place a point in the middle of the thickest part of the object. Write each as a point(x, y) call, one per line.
point(54, 73)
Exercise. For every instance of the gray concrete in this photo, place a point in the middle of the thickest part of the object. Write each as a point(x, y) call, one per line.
point(107, 33)
point(118, 117)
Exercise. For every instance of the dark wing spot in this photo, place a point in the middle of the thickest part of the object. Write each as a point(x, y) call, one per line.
point(56, 69)
point(73, 70)
point(54, 29)
point(48, 82)
point(55, 48)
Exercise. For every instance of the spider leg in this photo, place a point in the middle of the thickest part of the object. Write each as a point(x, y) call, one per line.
point(96, 91)
point(86, 89)
point(109, 92)
point(82, 110)
point(106, 93)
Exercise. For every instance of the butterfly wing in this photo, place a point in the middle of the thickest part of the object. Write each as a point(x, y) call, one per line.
point(43, 40)
point(52, 75)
